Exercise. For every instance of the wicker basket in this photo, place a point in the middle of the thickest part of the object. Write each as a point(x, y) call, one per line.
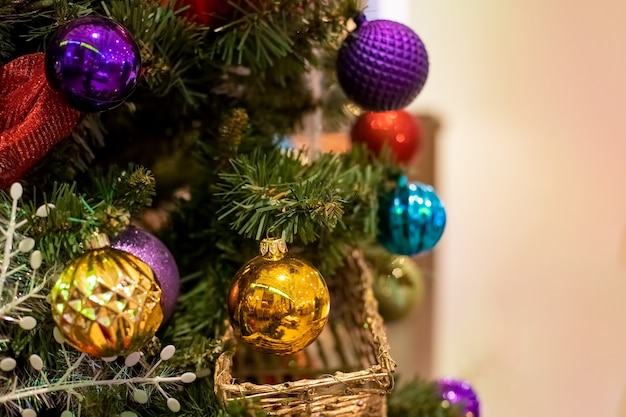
point(346, 371)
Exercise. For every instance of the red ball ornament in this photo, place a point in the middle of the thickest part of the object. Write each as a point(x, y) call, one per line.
point(214, 13)
point(398, 129)
point(205, 12)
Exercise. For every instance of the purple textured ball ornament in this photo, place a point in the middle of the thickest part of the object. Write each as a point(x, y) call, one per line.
point(458, 391)
point(382, 65)
point(153, 252)
point(94, 62)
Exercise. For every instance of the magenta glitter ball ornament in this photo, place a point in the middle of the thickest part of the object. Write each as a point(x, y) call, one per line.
point(153, 252)
point(382, 65)
point(94, 62)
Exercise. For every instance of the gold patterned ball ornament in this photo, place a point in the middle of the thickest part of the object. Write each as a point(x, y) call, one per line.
point(278, 303)
point(107, 301)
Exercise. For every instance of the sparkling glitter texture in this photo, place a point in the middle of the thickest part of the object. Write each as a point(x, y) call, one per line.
point(33, 117)
point(94, 62)
point(107, 303)
point(382, 65)
point(153, 252)
point(278, 304)
point(411, 218)
point(458, 391)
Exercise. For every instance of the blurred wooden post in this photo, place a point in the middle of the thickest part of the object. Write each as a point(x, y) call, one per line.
point(420, 320)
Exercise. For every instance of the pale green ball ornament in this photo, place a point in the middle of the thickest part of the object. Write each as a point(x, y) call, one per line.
point(398, 286)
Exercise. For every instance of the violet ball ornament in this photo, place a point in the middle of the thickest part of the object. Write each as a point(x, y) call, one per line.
point(94, 62)
point(461, 393)
point(153, 252)
point(382, 65)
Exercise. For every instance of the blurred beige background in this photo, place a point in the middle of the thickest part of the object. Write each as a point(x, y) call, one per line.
point(530, 276)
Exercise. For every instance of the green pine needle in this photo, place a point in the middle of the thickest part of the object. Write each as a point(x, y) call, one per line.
point(419, 399)
point(73, 216)
point(276, 193)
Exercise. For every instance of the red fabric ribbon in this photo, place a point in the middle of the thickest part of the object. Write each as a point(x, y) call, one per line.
point(33, 117)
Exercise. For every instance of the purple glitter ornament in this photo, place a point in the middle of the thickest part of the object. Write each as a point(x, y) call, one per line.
point(458, 391)
point(153, 252)
point(94, 62)
point(382, 65)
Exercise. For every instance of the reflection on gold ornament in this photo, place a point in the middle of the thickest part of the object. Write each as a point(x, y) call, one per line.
point(107, 303)
point(277, 303)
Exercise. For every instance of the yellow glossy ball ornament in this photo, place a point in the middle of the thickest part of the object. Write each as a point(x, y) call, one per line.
point(278, 303)
point(107, 301)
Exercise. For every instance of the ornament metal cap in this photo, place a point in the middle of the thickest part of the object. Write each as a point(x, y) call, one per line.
point(273, 248)
point(97, 241)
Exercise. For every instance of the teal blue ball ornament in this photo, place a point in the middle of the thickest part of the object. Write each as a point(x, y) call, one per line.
point(411, 218)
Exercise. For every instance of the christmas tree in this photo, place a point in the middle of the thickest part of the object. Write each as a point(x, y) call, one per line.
point(143, 165)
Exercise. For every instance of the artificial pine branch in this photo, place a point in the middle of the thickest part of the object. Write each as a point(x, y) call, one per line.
point(74, 216)
point(206, 95)
point(262, 32)
point(419, 399)
point(277, 192)
point(185, 86)
point(171, 48)
point(6, 44)
point(132, 188)
point(49, 15)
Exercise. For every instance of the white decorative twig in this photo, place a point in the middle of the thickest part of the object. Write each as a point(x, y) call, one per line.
point(135, 373)
point(21, 389)
point(20, 282)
